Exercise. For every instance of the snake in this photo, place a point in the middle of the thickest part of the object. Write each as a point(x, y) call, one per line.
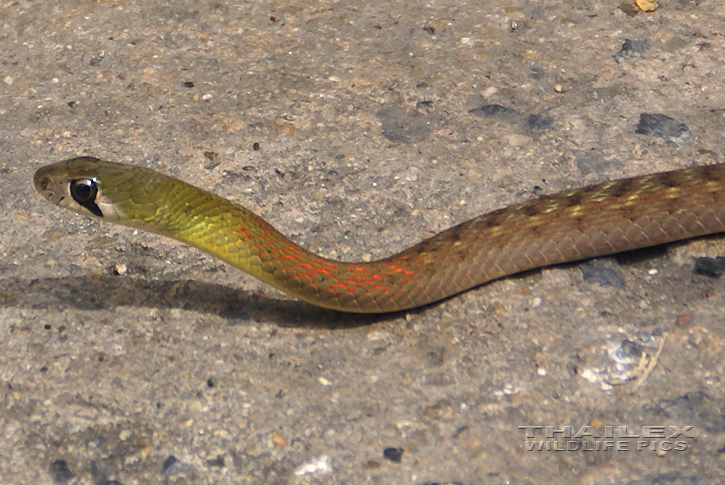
point(572, 225)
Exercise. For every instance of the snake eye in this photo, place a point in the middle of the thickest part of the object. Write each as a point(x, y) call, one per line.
point(84, 191)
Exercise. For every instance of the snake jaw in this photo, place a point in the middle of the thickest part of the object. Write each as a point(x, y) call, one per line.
point(48, 187)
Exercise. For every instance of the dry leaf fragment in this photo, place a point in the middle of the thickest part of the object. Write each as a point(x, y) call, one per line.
point(646, 5)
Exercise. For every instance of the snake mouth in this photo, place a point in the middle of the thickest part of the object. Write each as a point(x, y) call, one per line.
point(41, 182)
point(50, 188)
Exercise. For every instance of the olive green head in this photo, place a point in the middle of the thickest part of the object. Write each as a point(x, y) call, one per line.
point(100, 189)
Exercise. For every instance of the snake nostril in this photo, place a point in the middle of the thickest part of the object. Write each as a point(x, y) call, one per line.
point(43, 183)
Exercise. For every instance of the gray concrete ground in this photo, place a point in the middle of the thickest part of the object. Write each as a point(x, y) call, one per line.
point(347, 125)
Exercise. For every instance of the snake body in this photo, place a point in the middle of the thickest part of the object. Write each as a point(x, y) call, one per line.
point(572, 225)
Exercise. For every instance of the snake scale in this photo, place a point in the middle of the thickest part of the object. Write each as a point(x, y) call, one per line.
point(572, 225)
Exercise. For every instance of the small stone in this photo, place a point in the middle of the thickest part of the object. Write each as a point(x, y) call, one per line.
point(489, 91)
point(491, 110)
point(320, 465)
point(629, 350)
point(393, 454)
point(605, 272)
point(216, 462)
point(662, 126)
point(60, 471)
point(172, 466)
point(711, 267)
point(631, 49)
point(684, 320)
point(278, 441)
point(646, 5)
point(539, 122)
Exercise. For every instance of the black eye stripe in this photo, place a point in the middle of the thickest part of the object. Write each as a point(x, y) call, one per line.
point(84, 192)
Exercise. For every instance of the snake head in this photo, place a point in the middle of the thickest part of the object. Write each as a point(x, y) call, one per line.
point(76, 185)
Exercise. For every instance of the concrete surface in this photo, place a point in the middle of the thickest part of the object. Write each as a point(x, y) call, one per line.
point(347, 125)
